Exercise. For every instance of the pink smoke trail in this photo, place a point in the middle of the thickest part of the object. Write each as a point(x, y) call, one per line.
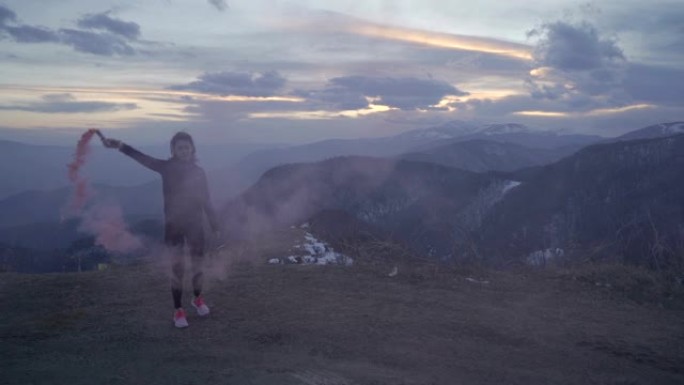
point(106, 223)
point(80, 184)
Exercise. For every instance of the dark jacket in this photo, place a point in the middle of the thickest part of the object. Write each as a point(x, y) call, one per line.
point(186, 194)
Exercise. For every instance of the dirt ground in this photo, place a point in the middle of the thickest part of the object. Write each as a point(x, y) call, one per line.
point(332, 325)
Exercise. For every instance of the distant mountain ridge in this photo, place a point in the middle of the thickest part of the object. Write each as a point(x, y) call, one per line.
point(254, 165)
point(655, 131)
point(482, 155)
point(501, 132)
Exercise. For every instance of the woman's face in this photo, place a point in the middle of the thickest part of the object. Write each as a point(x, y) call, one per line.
point(183, 150)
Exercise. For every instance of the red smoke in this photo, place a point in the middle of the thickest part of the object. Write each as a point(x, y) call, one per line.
point(106, 223)
point(80, 184)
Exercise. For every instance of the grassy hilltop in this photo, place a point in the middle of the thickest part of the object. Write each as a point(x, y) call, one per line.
point(293, 324)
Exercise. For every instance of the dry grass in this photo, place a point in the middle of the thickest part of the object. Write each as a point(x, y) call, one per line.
point(333, 325)
point(636, 283)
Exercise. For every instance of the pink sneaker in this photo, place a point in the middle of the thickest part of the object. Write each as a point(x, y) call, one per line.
point(179, 319)
point(202, 308)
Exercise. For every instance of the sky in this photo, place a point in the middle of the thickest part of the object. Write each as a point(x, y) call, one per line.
point(271, 71)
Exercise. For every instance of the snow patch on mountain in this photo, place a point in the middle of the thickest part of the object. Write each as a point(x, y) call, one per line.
point(506, 128)
point(313, 252)
point(457, 129)
point(673, 128)
point(509, 185)
point(449, 130)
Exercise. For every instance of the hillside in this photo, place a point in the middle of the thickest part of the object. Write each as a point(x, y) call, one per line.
point(616, 200)
point(416, 201)
point(333, 325)
point(622, 199)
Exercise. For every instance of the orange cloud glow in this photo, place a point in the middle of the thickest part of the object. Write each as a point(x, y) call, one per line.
point(596, 112)
point(550, 114)
point(445, 40)
point(417, 36)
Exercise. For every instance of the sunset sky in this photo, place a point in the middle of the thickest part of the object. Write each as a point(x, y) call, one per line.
point(299, 71)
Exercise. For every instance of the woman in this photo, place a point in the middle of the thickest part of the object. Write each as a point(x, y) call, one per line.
point(186, 199)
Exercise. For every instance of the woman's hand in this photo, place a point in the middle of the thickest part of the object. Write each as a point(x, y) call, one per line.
point(112, 143)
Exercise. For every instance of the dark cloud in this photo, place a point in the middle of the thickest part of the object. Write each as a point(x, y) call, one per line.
point(96, 43)
point(6, 15)
point(577, 66)
point(23, 33)
point(236, 83)
point(30, 34)
point(67, 104)
point(114, 40)
point(404, 93)
point(221, 5)
point(103, 21)
point(574, 47)
point(63, 97)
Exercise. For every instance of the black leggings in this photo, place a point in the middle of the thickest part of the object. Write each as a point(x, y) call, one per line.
point(175, 237)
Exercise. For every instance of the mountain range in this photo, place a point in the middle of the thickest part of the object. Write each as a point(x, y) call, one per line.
point(441, 190)
point(655, 131)
point(611, 199)
point(485, 155)
point(250, 168)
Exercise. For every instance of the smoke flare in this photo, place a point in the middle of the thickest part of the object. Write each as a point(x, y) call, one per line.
point(106, 223)
point(80, 184)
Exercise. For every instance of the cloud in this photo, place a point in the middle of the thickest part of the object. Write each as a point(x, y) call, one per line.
point(30, 34)
point(235, 83)
point(574, 47)
point(577, 66)
point(103, 21)
point(6, 15)
point(67, 104)
point(23, 33)
point(354, 92)
point(96, 43)
point(221, 5)
point(337, 24)
point(113, 41)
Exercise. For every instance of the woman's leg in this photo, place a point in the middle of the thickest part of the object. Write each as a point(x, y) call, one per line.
point(195, 237)
point(174, 240)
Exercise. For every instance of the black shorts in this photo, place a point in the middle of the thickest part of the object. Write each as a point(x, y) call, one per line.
point(178, 235)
